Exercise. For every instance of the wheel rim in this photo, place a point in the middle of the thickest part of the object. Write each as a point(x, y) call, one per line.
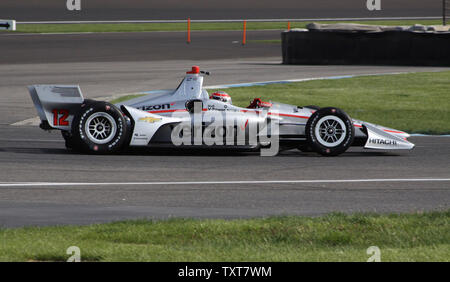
point(100, 128)
point(330, 131)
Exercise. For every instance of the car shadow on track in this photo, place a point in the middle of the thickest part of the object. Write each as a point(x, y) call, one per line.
point(196, 152)
point(25, 150)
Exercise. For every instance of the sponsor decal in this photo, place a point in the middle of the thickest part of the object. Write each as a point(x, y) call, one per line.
point(156, 107)
point(149, 119)
point(224, 109)
point(140, 136)
point(383, 141)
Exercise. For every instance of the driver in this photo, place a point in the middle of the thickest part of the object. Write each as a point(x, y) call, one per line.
point(221, 96)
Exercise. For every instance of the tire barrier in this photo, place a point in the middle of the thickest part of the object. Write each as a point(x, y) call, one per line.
point(366, 48)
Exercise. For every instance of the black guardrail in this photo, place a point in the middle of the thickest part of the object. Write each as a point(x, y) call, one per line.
point(374, 48)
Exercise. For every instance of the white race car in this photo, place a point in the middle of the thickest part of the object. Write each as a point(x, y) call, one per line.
point(188, 117)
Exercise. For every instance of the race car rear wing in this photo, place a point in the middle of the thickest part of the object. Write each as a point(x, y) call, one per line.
point(56, 105)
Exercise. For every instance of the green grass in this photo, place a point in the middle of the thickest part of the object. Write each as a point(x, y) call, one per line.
point(125, 98)
point(140, 27)
point(334, 237)
point(415, 103)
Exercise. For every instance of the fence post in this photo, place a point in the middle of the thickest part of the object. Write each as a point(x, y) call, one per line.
point(244, 35)
point(189, 30)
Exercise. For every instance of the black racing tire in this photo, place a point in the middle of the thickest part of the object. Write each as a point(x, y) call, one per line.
point(305, 148)
point(87, 101)
point(99, 127)
point(70, 142)
point(312, 107)
point(329, 131)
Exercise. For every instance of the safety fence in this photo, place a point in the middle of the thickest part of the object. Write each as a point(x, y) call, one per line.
point(366, 48)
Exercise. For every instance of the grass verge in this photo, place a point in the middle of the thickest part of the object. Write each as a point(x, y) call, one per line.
point(140, 27)
point(415, 102)
point(334, 237)
point(125, 98)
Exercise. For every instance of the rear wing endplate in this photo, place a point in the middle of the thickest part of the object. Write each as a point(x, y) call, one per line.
point(56, 105)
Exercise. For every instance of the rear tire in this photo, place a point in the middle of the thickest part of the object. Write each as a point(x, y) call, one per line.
point(99, 127)
point(329, 131)
point(70, 142)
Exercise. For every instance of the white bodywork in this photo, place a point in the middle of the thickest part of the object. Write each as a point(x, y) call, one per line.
point(380, 139)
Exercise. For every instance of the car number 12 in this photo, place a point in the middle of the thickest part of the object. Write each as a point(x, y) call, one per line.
point(60, 117)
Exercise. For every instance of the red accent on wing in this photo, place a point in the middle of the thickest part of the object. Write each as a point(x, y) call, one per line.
point(393, 131)
point(288, 115)
point(221, 94)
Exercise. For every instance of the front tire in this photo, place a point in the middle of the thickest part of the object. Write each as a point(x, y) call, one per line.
point(100, 128)
point(329, 131)
point(305, 148)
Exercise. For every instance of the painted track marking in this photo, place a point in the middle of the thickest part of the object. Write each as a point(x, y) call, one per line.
point(31, 184)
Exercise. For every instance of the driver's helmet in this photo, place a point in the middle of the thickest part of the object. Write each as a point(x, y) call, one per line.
point(221, 96)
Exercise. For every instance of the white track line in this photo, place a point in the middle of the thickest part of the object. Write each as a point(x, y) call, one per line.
point(285, 81)
point(35, 121)
point(30, 184)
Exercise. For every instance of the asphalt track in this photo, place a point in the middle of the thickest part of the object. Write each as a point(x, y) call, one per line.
point(28, 154)
point(138, 46)
point(35, 10)
point(40, 157)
